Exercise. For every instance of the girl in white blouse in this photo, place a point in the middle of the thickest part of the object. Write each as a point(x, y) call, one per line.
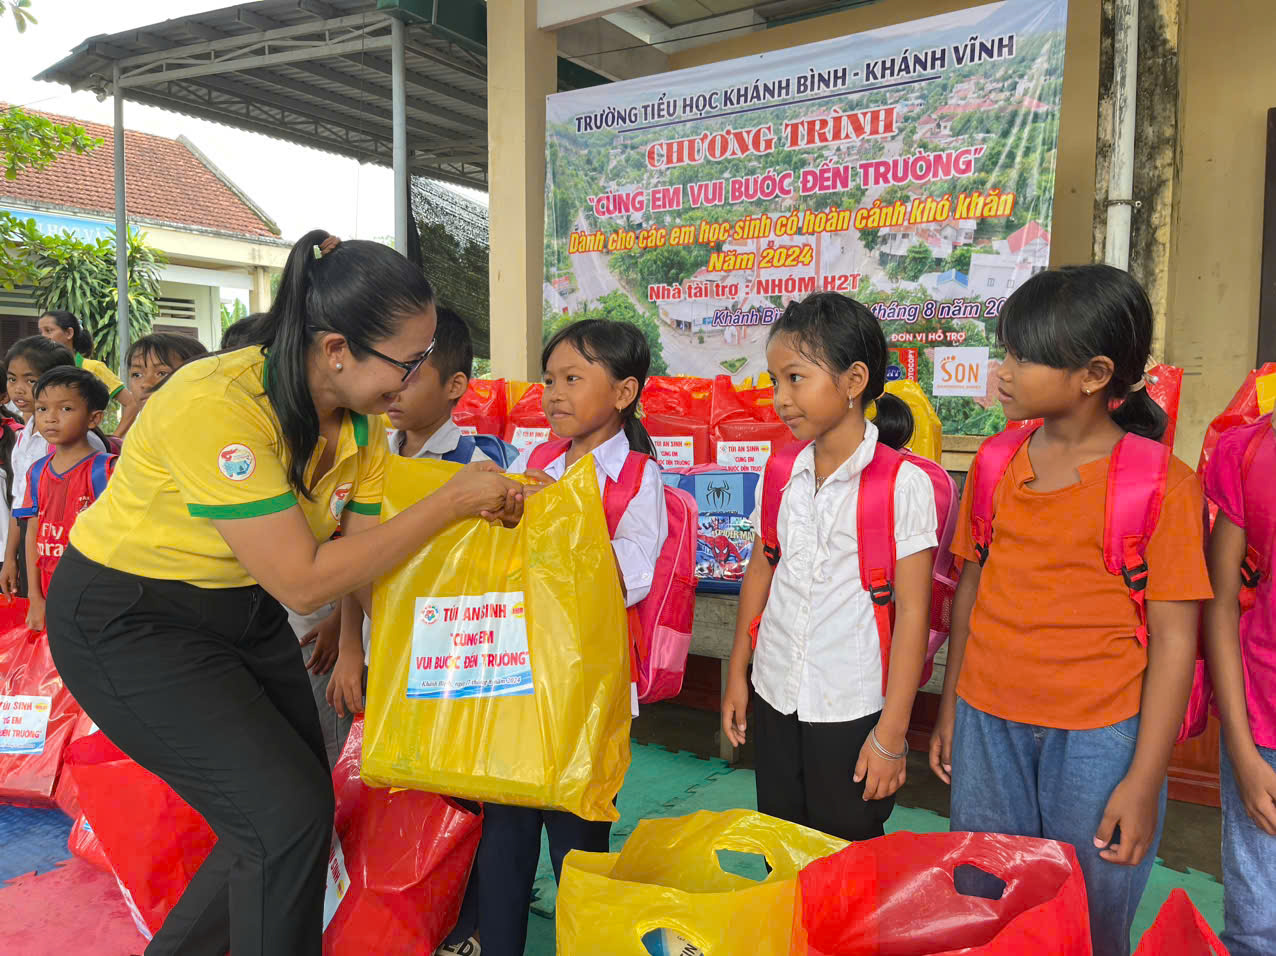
point(831, 744)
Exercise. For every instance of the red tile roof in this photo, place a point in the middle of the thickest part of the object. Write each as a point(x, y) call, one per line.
point(165, 182)
point(1029, 233)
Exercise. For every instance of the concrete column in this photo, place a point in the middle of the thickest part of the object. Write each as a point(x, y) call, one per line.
point(259, 294)
point(524, 71)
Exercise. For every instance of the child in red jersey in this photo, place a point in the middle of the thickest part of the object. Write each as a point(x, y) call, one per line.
point(69, 403)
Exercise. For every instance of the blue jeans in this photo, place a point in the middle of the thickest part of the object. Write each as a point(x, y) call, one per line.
point(1041, 782)
point(1249, 871)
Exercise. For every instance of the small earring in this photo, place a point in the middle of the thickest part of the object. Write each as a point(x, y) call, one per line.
point(1086, 390)
point(851, 403)
point(340, 367)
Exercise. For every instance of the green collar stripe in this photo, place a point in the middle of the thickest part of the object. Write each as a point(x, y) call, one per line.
point(360, 423)
point(79, 360)
point(248, 509)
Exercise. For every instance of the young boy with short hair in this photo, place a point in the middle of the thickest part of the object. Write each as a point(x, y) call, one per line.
point(68, 405)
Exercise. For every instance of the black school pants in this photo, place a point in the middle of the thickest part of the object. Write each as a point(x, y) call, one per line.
point(805, 773)
point(500, 890)
point(205, 688)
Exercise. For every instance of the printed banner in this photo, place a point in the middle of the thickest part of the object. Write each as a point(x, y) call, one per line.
point(911, 167)
point(24, 721)
point(472, 646)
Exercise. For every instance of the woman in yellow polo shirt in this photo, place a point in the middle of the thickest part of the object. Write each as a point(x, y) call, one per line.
point(65, 328)
point(164, 614)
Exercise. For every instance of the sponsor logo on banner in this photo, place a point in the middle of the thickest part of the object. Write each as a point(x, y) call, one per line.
point(675, 451)
point(237, 462)
point(339, 498)
point(961, 372)
point(471, 646)
point(24, 721)
point(751, 455)
point(525, 439)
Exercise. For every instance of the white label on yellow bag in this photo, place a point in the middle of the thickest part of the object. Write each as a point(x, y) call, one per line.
point(23, 723)
point(338, 882)
point(472, 646)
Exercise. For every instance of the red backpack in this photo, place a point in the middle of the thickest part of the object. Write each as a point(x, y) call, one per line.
point(660, 624)
point(875, 537)
point(1137, 477)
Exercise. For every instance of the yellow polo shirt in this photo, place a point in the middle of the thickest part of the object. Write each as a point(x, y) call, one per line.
point(102, 371)
point(209, 446)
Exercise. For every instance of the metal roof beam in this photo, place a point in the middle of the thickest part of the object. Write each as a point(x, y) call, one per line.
point(442, 59)
point(238, 64)
point(421, 82)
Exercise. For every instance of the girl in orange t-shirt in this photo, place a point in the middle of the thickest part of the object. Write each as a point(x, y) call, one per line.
point(1055, 720)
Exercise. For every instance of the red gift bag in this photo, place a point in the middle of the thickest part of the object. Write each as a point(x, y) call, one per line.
point(745, 416)
point(407, 855)
point(895, 896)
point(483, 407)
point(152, 839)
point(37, 713)
point(1180, 930)
point(526, 426)
point(83, 842)
point(66, 796)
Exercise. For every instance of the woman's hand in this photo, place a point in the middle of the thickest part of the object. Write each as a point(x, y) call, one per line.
point(882, 777)
point(479, 490)
point(345, 687)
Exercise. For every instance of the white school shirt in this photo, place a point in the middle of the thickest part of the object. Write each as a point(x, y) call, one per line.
point(642, 529)
point(818, 650)
point(29, 448)
point(442, 442)
point(436, 446)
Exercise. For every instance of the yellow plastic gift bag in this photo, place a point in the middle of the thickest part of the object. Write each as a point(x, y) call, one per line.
point(668, 878)
point(928, 433)
point(499, 665)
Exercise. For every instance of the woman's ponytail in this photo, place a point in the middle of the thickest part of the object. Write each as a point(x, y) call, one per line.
point(1140, 415)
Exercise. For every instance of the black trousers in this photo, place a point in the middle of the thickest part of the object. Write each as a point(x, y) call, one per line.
point(205, 688)
point(806, 771)
point(500, 891)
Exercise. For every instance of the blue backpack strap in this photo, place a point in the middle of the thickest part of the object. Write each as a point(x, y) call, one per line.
point(501, 452)
point(100, 472)
point(34, 477)
point(463, 451)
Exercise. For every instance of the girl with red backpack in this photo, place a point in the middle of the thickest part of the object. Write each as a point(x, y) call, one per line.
point(1074, 627)
point(1240, 624)
point(594, 372)
point(833, 689)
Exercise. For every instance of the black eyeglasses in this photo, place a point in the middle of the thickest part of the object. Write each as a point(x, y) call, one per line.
point(409, 368)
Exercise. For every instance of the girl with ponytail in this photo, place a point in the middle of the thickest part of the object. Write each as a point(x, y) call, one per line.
point(594, 372)
point(1056, 719)
point(165, 616)
point(66, 329)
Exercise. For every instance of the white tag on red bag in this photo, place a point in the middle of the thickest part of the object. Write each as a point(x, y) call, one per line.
point(526, 438)
point(24, 720)
point(675, 451)
point(751, 455)
point(338, 882)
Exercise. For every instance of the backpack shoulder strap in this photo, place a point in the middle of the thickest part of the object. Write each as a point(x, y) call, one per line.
point(776, 474)
point(499, 451)
point(619, 493)
point(875, 539)
point(546, 452)
point(100, 472)
point(991, 461)
point(945, 510)
point(1137, 476)
point(1260, 519)
point(463, 451)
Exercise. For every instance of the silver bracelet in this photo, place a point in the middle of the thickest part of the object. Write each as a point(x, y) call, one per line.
point(882, 751)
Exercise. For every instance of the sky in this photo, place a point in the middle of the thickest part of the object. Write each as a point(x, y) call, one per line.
point(300, 188)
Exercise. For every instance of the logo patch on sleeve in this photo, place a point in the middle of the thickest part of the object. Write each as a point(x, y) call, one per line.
point(237, 462)
point(340, 496)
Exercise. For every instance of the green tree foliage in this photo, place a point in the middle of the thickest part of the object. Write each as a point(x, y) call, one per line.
point(614, 307)
point(21, 10)
point(960, 259)
point(28, 141)
point(233, 313)
point(79, 276)
point(917, 262)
